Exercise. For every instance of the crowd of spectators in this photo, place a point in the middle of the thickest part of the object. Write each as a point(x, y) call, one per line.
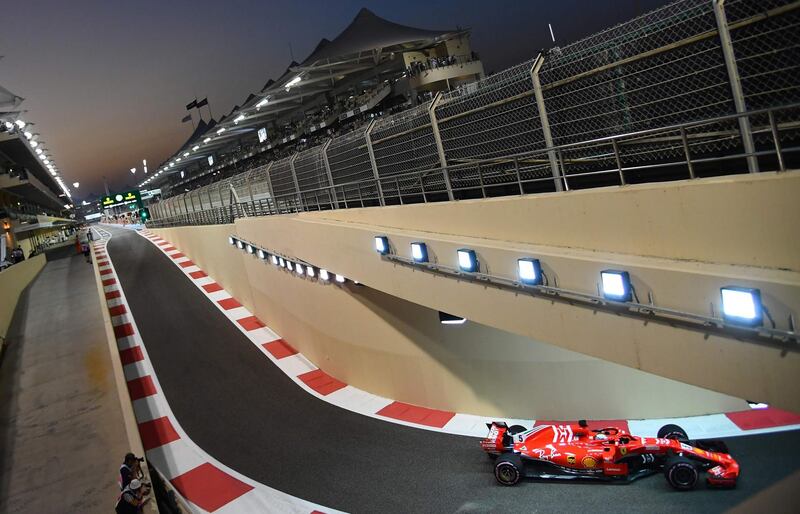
point(432, 63)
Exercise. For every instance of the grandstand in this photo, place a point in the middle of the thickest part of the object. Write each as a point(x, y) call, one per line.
point(33, 196)
point(364, 72)
point(694, 88)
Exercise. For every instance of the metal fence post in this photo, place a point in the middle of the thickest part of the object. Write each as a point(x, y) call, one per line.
point(439, 146)
point(296, 183)
point(373, 163)
point(331, 190)
point(269, 180)
point(548, 137)
point(735, 83)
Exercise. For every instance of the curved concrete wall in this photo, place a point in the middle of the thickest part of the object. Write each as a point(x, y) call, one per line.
point(13, 281)
point(398, 349)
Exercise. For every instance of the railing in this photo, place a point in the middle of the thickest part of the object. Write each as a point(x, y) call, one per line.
point(599, 162)
point(663, 96)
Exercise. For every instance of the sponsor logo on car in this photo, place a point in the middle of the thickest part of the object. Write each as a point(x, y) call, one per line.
point(623, 450)
point(589, 462)
point(570, 459)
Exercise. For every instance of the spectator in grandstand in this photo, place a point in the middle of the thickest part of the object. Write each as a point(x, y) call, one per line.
point(133, 498)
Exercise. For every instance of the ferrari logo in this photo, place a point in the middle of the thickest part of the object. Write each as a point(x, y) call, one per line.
point(623, 450)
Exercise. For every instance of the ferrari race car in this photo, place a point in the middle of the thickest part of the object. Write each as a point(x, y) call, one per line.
point(611, 454)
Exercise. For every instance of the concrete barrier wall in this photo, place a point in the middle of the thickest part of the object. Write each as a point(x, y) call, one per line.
point(398, 349)
point(13, 281)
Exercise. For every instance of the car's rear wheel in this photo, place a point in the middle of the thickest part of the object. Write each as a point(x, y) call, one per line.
point(672, 432)
point(681, 473)
point(508, 469)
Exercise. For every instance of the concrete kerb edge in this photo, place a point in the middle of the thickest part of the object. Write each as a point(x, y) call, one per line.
point(131, 426)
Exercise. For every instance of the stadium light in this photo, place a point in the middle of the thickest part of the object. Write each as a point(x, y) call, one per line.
point(206, 140)
point(240, 244)
point(616, 285)
point(34, 144)
point(262, 254)
point(221, 130)
point(251, 249)
point(323, 275)
point(46, 161)
point(275, 260)
point(39, 151)
point(28, 135)
point(76, 185)
point(231, 240)
point(171, 164)
point(133, 170)
point(239, 118)
point(293, 82)
point(195, 148)
point(467, 260)
point(419, 252)
point(742, 305)
point(529, 271)
point(210, 160)
point(382, 244)
point(9, 125)
point(340, 279)
point(262, 103)
point(298, 268)
point(21, 124)
point(179, 159)
point(310, 271)
point(281, 262)
point(289, 266)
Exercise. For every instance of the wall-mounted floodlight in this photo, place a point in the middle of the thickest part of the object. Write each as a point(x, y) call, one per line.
point(449, 319)
point(323, 275)
point(742, 305)
point(529, 271)
point(251, 249)
point(310, 271)
point(467, 260)
point(281, 262)
point(616, 285)
point(262, 254)
point(240, 244)
point(289, 266)
point(275, 260)
point(419, 252)
point(340, 279)
point(231, 241)
point(298, 268)
point(382, 244)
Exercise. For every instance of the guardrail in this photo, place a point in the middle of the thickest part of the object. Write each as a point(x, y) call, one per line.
point(615, 160)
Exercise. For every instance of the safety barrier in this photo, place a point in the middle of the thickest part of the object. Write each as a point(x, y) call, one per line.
point(692, 84)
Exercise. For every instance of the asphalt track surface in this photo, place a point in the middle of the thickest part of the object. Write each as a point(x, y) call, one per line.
point(240, 408)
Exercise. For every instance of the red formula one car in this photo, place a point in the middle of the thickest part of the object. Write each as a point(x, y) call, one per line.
point(610, 454)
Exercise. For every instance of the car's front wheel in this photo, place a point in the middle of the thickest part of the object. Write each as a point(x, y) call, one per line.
point(681, 473)
point(508, 469)
point(672, 432)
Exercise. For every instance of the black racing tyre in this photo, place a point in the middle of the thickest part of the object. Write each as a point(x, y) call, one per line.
point(672, 432)
point(681, 473)
point(508, 469)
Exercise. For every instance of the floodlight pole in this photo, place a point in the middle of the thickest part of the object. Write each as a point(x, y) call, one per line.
point(736, 84)
point(439, 146)
point(373, 163)
point(548, 137)
point(329, 173)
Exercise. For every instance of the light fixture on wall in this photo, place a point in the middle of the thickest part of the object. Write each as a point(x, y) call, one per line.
point(275, 260)
point(382, 244)
point(289, 266)
point(281, 262)
point(419, 252)
point(323, 275)
point(742, 305)
point(240, 244)
point(529, 271)
point(310, 271)
point(262, 254)
point(450, 319)
point(340, 279)
point(251, 249)
point(616, 285)
point(468, 260)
